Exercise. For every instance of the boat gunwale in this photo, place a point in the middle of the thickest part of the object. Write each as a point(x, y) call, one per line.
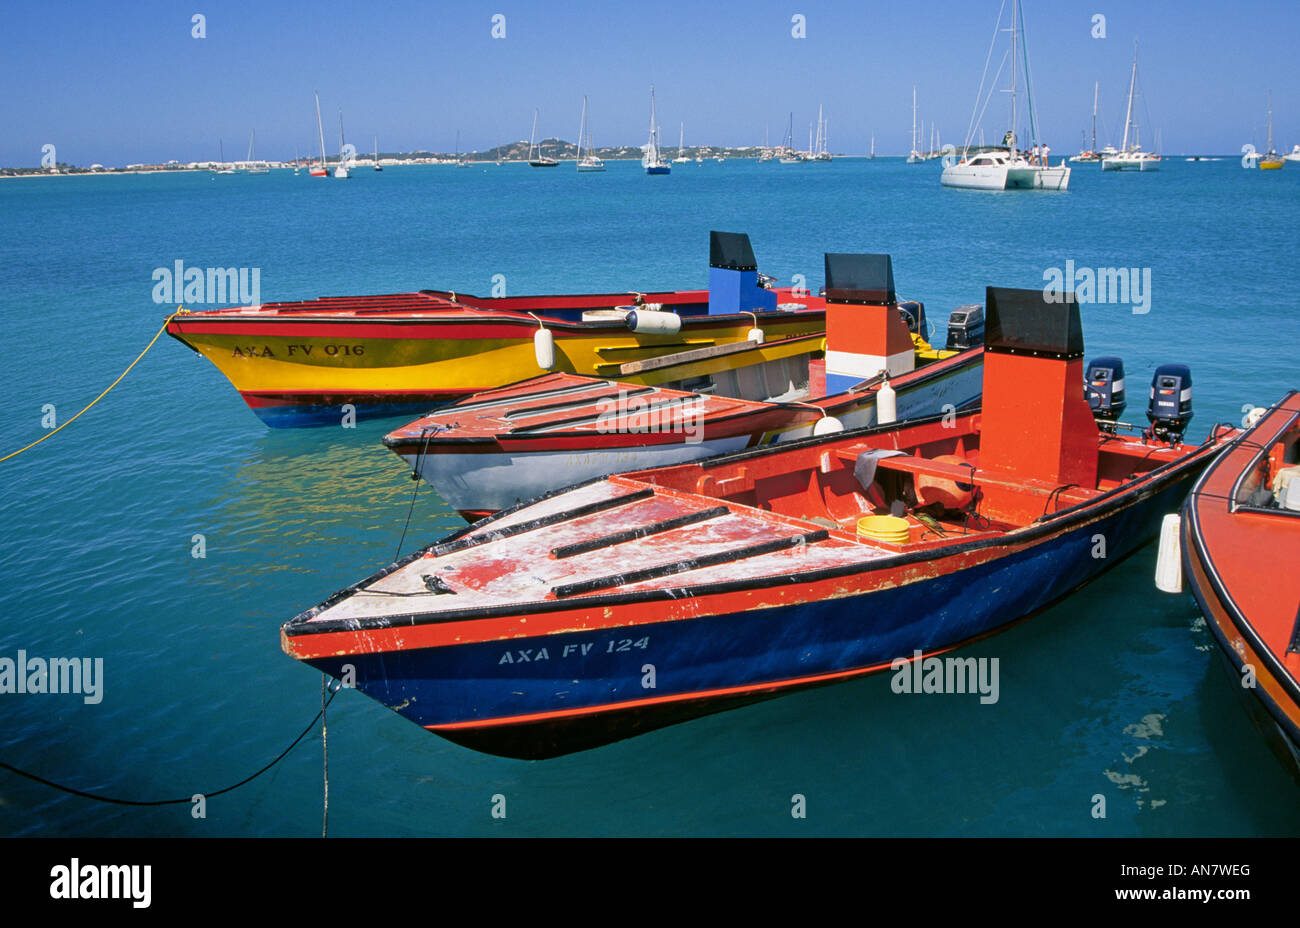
point(1060, 522)
point(1233, 505)
point(1198, 546)
point(861, 393)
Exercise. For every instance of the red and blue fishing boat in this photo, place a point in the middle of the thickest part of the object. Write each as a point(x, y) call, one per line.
point(315, 362)
point(1240, 532)
point(647, 598)
point(496, 448)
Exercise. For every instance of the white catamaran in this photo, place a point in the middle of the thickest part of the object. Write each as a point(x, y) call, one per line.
point(1007, 167)
point(1131, 157)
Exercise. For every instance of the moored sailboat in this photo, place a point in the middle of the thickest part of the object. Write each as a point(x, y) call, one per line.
point(1131, 157)
point(342, 171)
point(537, 160)
point(1270, 160)
point(319, 169)
point(252, 166)
point(1007, 168)
point(681, 151)
point(914, 156)
point(653, 161)
point(1091, 154)
point(588, 163)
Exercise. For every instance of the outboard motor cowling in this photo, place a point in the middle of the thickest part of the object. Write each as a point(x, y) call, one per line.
point(1170, 407)
point(1103, 385)
point(966, 327)
point(914, 315)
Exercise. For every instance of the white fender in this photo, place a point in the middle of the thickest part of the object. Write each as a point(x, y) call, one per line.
point(827, 425)
point(653, 322)
point(544, 348)
point(886, 404)
point(1169, 565)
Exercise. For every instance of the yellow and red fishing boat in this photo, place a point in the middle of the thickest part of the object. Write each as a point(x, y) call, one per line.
point(316, 361)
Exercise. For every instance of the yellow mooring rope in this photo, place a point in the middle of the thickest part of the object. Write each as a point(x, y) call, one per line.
point(180, 311)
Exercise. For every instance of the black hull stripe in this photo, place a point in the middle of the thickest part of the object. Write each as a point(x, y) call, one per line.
point(554, 518)
point(654, 528)
point(678, 567)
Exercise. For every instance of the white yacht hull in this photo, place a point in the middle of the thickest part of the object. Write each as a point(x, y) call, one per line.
point(1130, 164)
point(1005, 177)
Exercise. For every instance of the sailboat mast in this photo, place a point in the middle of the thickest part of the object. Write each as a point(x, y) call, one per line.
point(654, 141)
point(1015, 25)
point(913, 117)
point(320, 129)
point(1132, 84)
point(1270, 122)
point(582, 127)
point(1095, 88)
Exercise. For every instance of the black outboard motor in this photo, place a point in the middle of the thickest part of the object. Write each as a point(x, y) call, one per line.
point(966, 327)
point(914, 315)
point(1170, 409)
point(1103, 385)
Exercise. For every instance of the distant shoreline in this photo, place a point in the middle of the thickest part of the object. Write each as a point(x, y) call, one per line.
point(744, 154)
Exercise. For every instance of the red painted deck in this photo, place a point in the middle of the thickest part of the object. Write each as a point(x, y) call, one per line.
point(559, 411)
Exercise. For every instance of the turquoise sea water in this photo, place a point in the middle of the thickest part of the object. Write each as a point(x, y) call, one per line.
point(1116, 692)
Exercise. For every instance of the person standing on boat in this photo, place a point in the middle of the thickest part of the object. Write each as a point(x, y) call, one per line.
point(1044, 153)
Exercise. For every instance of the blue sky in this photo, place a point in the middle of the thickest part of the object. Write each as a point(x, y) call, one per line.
point(117, 83)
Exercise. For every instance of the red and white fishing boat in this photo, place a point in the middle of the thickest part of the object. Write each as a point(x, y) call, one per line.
point(642, 599)
point(1240, 534)
point(496, 448)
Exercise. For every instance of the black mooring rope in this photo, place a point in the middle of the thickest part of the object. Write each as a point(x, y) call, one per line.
point(415, 475)
point(170, 802)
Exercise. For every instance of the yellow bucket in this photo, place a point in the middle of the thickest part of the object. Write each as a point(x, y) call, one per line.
point(884, 528)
